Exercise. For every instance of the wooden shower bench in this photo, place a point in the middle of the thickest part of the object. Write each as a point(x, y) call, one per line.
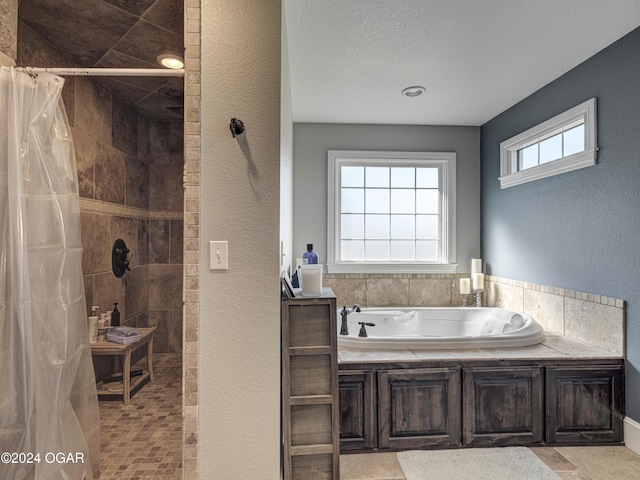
point(118, 350)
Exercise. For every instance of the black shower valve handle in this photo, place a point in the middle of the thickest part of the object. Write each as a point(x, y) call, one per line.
point(119, 261)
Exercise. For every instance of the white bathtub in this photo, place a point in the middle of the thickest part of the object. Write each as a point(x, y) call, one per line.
point(440, 328)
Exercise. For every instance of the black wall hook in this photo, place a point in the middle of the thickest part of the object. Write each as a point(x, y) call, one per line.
point(236, 126)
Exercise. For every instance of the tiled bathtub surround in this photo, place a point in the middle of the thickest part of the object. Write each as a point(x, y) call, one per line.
point(593, 319)
point(391, 290)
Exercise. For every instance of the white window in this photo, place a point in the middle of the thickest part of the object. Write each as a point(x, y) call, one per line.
point(391, 212)
point(564, 143)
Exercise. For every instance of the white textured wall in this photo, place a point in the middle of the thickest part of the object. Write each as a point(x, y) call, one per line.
point(8, 32)
point(239, 336)
point(286, 158)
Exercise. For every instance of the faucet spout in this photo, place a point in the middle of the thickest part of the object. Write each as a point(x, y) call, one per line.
point(344, 328)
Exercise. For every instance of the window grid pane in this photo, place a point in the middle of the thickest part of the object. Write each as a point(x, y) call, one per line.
point(352, 200)
point(352, 176)
point(352, 226)
point(555, 147)
point(376, 227)
point(395, 217)
point(551, 149)
point(573, 140)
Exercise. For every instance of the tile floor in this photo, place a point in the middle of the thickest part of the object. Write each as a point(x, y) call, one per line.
point(569, 463)
point(143, 440)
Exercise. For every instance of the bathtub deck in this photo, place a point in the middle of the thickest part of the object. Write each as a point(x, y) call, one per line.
point(554, 347)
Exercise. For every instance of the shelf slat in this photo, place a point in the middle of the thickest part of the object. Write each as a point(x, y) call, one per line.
point(322, 350)
point(311, 400)
point(319, 449)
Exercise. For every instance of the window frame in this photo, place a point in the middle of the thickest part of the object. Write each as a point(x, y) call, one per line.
point(447, 188)
point(583, 113)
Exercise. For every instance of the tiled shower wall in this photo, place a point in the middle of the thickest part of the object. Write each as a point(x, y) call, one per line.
point(594, 319)
point(130, 181)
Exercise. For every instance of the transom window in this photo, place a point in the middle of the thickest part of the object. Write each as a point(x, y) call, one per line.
point(390, 211)
point(556, 146)
point(564, 143)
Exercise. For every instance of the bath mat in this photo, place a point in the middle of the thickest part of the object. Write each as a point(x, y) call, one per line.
point(506, 463)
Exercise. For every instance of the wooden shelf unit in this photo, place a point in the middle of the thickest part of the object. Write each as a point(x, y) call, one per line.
point(311, 431)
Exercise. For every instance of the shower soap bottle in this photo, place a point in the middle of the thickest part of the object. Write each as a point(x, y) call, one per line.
point(115, 315)
point(309, 257)
point(92, 325)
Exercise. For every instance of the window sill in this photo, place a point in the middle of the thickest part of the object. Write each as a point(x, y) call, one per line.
point(392, 268)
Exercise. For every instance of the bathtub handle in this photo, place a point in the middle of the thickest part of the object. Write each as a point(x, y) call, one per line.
point(363, 330)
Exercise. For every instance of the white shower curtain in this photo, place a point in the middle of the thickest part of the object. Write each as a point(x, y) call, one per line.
point(49, 418)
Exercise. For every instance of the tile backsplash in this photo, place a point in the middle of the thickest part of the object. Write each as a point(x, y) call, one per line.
point(395, 290)
point(594, 319)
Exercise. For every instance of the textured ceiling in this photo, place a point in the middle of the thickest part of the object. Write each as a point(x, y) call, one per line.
point(349, 60)
point(117, 34)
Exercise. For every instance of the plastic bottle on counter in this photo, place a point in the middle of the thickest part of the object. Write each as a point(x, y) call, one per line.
point(92, 324)
point(309, 257)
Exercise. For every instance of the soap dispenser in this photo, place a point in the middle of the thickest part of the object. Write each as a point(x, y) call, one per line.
point(115, 315)
point(92, 324)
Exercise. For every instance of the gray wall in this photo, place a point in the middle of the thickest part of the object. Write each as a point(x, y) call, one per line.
point(579, 230)
point(311, 142)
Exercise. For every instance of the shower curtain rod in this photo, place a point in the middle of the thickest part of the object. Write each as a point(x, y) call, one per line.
point(108, 72)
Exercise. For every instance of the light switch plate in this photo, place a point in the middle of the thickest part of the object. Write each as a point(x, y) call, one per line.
point(218, 255)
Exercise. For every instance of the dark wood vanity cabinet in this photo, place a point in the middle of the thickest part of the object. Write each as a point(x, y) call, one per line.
point(358, 412)
point(481, 403)
point(584, 405)
point(503, 406)
point(419, 408)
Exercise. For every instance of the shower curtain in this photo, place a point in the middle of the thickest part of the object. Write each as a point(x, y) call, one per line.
point(49, 418)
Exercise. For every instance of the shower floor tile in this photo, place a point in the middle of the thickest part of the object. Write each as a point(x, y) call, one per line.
point(144, 439)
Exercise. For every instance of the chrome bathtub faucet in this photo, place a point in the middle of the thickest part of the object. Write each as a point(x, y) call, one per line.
point(344, 329)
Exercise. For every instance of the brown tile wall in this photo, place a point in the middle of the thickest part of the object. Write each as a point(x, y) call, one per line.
point(191, 241)
point(8, 32)
point(130, 183)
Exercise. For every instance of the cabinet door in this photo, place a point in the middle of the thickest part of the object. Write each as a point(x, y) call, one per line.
point(357, 410)
point(584, 405)
point(419, 408)
point(502, 406)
